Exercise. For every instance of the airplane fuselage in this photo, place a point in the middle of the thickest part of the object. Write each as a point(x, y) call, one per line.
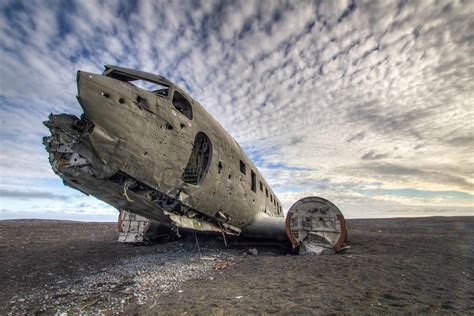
point(167, 142)
point(144, 146)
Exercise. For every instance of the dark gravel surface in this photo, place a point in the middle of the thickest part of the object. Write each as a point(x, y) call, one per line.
point(422, 265)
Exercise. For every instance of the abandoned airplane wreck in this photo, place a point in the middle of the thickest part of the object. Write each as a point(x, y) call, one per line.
point(144, 146)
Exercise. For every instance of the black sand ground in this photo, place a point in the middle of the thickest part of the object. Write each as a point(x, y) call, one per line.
point(423, 265)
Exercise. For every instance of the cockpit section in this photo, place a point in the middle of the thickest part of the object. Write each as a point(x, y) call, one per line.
point(154, 84)
point(156, 87)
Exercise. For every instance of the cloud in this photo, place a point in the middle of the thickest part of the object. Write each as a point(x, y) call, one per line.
point(358, 136)
point(33, 195)
point(464, 141)
point(425, 178)
point(387, 122)
point(371, 155)
point(318, 93)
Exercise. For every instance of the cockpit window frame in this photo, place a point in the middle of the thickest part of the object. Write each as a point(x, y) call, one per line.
point(190, 115)
point(128, 78)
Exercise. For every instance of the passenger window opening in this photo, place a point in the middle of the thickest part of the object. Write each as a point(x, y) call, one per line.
point(266, 192)
point(254, 181)
point(243, 168)
point(261, 185)
point(199, 161)
point(271, 198)
point(182, 105)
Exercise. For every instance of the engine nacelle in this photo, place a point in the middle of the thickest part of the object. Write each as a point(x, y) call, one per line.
point(315, 225)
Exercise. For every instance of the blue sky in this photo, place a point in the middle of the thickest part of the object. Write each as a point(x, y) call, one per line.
point(368, 104)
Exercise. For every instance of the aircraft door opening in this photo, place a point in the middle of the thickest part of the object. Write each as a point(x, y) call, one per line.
point(199, 161)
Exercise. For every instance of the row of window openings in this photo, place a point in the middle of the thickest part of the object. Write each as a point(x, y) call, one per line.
point(253, 176)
